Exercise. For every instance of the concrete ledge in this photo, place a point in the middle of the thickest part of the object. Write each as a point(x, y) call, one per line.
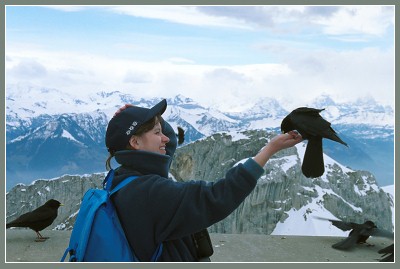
point(21, 247)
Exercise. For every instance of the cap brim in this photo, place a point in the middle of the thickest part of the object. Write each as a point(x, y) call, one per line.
point(158, 109)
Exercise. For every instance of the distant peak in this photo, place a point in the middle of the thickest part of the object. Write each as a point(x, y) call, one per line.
point(180, 99)
point(324, 100)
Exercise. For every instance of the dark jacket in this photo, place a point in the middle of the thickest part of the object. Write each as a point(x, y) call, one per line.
point(155, 209)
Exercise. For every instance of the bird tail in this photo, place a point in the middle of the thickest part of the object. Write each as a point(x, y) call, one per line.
point(334, 136)
point(313, 162)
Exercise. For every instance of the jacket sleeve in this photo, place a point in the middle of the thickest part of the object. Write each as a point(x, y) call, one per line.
point(189, 207)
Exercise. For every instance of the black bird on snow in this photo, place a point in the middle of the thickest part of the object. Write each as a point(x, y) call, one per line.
point(38, 219)
point(181, 136)
point(359, 233)
point(388, 253)
point(312, 127)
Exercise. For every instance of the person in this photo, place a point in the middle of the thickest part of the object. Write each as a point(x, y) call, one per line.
point(155, 209)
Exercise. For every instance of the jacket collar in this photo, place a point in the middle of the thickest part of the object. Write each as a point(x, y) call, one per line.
point(144, 162)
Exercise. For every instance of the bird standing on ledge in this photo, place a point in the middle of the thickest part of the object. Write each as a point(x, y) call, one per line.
point(38, 219)
point(359, 233)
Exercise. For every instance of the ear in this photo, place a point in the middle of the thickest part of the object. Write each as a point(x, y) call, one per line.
point(133, 142)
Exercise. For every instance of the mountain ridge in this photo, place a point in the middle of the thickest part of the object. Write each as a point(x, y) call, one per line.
point(80, 133)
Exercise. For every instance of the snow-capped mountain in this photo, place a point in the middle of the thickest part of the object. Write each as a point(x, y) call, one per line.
point(50, 133)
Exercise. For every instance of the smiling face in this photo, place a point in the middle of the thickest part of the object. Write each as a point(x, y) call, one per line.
point(153, 140)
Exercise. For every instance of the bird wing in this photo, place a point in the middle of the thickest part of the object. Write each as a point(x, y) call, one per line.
point(29, 218)
point(387, 253)
point(308, 120)
point(343, 225)
point(349, 242)
point(24, 218)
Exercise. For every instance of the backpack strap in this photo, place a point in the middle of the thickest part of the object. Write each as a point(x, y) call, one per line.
point(125, 182)
point(157, 253)
point(107, 182)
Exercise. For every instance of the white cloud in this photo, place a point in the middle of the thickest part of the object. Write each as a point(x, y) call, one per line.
point(178, 14)
point(300, 71)
point(333, 20)
point(28, 69)
point(67, 8)
point(369, 20)
point(346, 75)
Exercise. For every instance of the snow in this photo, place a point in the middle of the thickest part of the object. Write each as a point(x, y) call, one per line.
point(389, 189)
point(67, 135)
point(304, 221)
point(238, 136)
point(287, 162)
point(22, 102)
point(328, 161)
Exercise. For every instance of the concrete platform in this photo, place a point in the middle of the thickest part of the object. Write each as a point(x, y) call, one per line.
point(21, 248)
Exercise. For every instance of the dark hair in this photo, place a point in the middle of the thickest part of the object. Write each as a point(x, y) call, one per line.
point(144, 128)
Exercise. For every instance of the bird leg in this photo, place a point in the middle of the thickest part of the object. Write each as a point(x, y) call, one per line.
point(40, 238)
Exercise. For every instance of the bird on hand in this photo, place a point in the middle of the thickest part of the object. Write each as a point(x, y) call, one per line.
point(38, 219)
point(312, 127)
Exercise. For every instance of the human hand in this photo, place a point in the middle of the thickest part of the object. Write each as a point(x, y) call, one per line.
point(283, 141)
point(279, 142)
point(122, 109)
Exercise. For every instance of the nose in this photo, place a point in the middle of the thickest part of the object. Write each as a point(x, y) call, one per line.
point(165, 139)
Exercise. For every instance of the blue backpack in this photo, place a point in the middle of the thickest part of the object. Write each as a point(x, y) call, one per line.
point(97, 235)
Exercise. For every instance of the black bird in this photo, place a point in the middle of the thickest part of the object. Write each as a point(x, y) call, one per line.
point(38, 219)
point(312, 127)
point(359, 233)
point(181, 136)
point(388, 253)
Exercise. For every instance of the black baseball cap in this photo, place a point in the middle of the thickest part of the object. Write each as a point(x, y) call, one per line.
point(125, 124)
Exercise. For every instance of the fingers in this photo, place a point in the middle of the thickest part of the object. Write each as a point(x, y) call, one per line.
point(290, 139)
point(122, 108)
point(295, 135)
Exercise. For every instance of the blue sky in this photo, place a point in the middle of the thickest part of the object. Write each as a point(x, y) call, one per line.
point(223, 56)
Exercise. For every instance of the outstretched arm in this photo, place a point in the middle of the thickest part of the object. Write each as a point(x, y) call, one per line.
point(279, 142)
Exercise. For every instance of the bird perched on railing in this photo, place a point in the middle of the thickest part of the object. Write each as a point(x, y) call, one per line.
point(38, 219)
